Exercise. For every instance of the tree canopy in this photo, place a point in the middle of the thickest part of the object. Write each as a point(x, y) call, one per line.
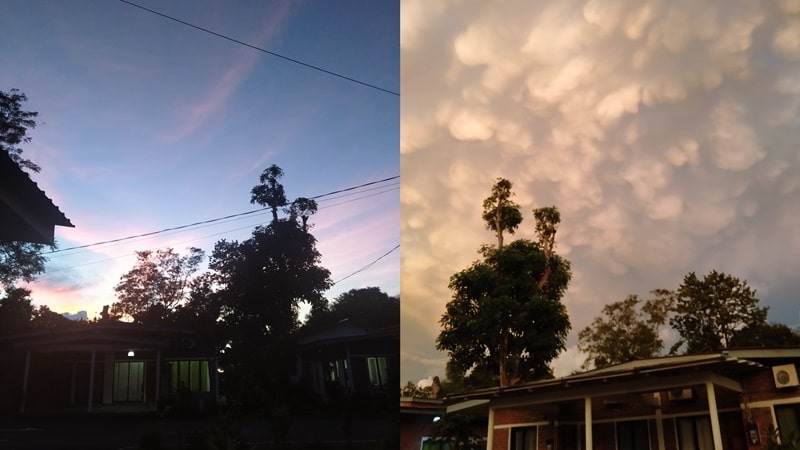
point(626, 330)
point(710, 314)
point(506, 322)
point(14, 125)
point(19, 261)
point(710, 311)
point(367, 308)
point(156, 285)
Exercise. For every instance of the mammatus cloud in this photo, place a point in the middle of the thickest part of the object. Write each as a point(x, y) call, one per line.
point(664, 131)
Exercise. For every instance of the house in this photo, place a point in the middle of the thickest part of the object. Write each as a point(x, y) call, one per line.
point(105, 366)
point(27, 213)
point(726, 401)
point(418, 417)
point(349, 359)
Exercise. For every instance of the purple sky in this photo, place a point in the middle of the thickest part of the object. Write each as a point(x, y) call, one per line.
point(147, 124)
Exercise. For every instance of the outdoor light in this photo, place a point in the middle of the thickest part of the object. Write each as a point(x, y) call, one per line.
point(131, 354)
point(436, 419)
point(220, 369)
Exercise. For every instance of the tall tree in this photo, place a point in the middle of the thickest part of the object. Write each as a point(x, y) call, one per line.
point(269, 192)
point(500, 213)
point(302, 209)
point(157, 284)
point(266, 277)
point(626, 330)
point(503, 318)
point(710, 311)
point(19, 261)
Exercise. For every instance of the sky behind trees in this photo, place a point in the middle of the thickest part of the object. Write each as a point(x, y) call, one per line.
point(147, 124)
point(664, 131)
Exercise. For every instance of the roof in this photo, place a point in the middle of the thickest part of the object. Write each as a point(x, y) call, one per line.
point(346, 334)
point(636, 376)
point(28, 214)
point(109, 336)
point(415, 405)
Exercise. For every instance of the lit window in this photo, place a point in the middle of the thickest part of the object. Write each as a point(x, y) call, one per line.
point(192, 376)
point(377, 371)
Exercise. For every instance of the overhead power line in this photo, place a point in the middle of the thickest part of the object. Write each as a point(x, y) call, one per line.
point(307, 65)
point(218, 219)
point(368, 265)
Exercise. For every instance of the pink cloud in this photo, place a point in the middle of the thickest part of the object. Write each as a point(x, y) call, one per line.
point(198, 114)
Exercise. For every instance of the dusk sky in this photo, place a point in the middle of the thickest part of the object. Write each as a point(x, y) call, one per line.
point(666, 132)
point(147, 124)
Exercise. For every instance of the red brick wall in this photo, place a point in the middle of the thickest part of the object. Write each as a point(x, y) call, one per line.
point(501, 439)
point(510, 416)
point(761, 386)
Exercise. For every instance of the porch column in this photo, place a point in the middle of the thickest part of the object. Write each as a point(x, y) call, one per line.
point(73, 383)
point(25, 381)
point(712, 410)
point(490, 431)
point(91, 381)
point(659, 423)
point(158, 377)
point(587, 414)
point(215, 371)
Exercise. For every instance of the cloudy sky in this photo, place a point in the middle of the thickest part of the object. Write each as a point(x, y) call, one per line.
point(666, 132)
point(147, 124)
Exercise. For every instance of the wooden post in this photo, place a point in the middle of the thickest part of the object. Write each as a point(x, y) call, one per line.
point(158, 377)
point(712, 411)
point(588, 421)
point(91, 381)
point(25, 381)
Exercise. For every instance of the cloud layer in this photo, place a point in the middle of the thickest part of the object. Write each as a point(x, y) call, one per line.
point(664, 131)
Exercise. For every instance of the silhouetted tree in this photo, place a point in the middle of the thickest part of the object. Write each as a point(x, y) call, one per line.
point(367, 308)
point(19, 261)
point(14, 125)
point(269, 192)
point(157, 284)
point(16, 311)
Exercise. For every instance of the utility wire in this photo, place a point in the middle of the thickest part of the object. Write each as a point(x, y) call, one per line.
point(310, 66)
point(204, 222)
point(367, 266)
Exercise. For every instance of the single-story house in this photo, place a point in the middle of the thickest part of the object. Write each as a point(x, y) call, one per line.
point(349, 359)
point(27, 213)
point(418, 417)
point(105, 366)
point(726, 401)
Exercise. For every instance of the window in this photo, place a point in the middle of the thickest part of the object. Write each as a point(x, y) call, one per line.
point(337, 371)
point(435, 444)
point(788, 417)
point(189, 375)
point(694, 433)
point(633, 435)
point(128, 381)
point(377, 371)
point(523, 438)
